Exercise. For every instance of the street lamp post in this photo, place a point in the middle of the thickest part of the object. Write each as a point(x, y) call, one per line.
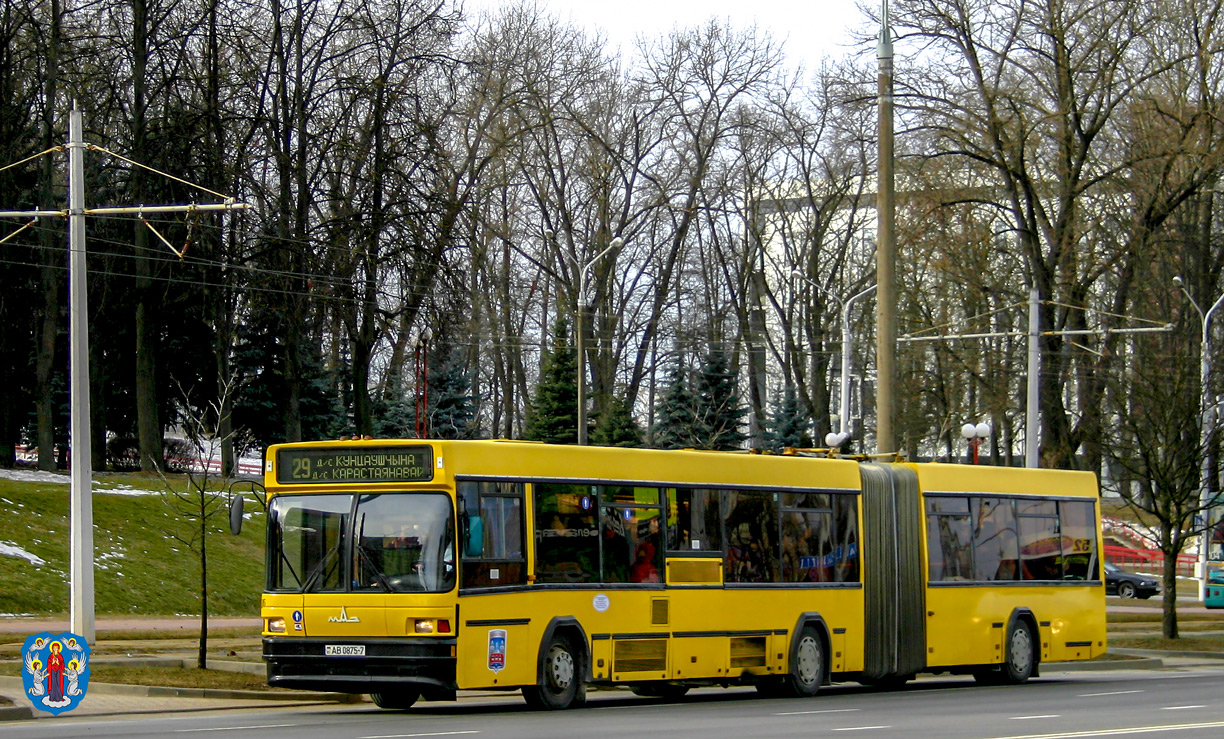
point(1206, 427)
point(843, 434)
point(583, 268)
point(975, 434)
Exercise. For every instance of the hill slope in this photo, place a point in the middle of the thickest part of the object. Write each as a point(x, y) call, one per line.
point(140, 565)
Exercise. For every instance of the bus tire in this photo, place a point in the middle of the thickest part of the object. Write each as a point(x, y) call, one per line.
point(807, 666)
point(560, 679)
point(1021, 654)
point(397, 700)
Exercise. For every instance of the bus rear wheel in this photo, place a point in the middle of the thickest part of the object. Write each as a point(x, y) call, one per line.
point(396, 699)
point(559, 686)
point(1021, 655)
point(807, 668)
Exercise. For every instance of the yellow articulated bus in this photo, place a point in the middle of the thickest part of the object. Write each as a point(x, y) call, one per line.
point(411, 569)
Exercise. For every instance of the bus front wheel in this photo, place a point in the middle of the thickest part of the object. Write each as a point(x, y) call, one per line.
point(559, 685)
point(396, 700)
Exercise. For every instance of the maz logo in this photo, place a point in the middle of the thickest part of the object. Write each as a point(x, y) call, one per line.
point(344, 618)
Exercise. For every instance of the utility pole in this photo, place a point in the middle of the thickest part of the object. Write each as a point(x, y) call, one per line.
point(81, 592)
point(81, 608)
point(1032, 418)
point(886, 250)
point(756, 359)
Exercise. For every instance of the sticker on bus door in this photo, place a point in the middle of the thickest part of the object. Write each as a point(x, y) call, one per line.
point(497, 649)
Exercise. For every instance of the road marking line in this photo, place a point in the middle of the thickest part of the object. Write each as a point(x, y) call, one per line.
point(827, 710)
point(1179, 708)
point(1026, 718)
point(237, 728)
point(432, 733)
point(1119, 732)
point(1116, 692)
point(862, 728)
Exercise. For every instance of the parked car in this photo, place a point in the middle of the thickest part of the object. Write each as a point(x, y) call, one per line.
point(1129, 584)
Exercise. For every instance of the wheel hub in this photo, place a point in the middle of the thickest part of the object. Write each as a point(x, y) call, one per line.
point(808, 661)
point(560, 668)
point(1021, 651)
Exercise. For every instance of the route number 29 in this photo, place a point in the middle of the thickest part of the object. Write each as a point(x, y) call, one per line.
point(301, 469)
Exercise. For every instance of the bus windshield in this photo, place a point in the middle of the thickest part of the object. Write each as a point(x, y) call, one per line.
point(385, 542)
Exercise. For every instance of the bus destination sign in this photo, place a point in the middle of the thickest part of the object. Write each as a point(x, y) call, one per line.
point(354, 464)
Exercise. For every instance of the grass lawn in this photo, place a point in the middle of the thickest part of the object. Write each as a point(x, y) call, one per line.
point(1189, 642)
point(144, 564)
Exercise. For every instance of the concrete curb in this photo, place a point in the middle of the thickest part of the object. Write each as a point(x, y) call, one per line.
point(1142, 663)
point(16, 713)
point(1167, 653)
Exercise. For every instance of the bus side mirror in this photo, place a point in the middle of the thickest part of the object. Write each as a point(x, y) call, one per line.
point(235, 514)
point(473, 543)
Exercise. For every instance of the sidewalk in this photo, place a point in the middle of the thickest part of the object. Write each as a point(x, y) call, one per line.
point(104, 699)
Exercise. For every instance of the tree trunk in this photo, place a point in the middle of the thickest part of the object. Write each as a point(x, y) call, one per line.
point(202, 661)
point(1168, 623)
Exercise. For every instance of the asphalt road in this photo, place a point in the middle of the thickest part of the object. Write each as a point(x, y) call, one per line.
point(1185, 704)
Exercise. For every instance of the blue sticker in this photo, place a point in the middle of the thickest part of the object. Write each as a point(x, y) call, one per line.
point(497, 650)
point(297, 617)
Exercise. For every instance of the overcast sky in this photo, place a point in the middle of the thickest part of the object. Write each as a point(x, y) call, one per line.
point(811, 29)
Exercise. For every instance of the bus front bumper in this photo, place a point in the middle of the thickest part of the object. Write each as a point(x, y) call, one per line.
point(427, 664)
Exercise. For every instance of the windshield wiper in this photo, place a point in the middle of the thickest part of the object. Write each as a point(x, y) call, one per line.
point(369, 562)
point(318, 569)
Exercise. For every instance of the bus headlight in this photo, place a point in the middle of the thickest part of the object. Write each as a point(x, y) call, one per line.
point(424, 626)
point(276, 625)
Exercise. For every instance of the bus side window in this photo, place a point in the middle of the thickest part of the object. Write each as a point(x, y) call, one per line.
point(752, 537)
point(491, 524)
point(949, 541)
point(566, 533)
point(996, 551)
point(694, 520)
point(1040, 540)
point(1080, 561)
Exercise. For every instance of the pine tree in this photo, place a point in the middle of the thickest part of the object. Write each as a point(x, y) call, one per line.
point(675, 412)
point(615, 425)
point(553, 415)
point(719, 416)
point(452, 405)
point(789, 424)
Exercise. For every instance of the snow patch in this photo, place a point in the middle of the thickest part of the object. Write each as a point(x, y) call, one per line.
point(34, 476)
point(11, 549)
